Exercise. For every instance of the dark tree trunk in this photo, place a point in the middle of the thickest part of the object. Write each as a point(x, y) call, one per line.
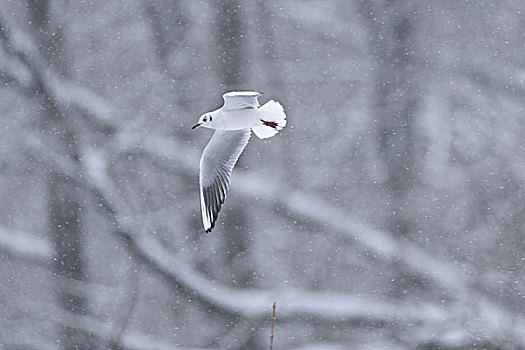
point(395, 104)
point(66, 226)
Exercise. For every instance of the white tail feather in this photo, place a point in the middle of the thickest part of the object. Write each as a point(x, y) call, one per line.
point(271, 111)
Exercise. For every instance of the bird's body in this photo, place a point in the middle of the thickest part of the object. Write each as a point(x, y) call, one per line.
point(233, 122)
point(236, 119)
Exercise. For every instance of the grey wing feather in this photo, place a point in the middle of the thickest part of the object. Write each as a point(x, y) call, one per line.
point(217, 162)
point(240, 100)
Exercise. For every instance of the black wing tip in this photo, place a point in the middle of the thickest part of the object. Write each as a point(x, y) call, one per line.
point(215, 195)
point(211, 228)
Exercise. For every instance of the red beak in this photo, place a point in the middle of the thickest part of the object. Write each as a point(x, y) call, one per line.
point(195, 126)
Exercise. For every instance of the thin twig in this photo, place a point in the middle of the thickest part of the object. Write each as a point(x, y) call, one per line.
point(273, 324)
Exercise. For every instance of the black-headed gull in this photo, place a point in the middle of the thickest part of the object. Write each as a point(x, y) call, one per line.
point(233, 123)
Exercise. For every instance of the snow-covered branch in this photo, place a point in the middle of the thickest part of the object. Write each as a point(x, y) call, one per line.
point(293, 303)
point(25, 245)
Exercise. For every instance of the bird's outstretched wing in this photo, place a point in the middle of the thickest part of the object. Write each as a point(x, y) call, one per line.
point(240, 100)
point(217, 162)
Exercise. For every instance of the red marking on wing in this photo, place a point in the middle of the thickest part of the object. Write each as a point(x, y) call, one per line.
point(270, 124)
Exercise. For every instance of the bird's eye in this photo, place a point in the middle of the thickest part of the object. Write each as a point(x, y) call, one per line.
point(210, 118)
point(204, 120)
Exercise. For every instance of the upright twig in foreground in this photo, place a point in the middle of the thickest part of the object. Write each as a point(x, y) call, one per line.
point(273, 324)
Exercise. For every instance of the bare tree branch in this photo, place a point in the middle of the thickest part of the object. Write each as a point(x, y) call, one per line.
point(25, 245)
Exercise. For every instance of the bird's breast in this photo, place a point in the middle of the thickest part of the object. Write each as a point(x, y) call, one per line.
point(240, 119)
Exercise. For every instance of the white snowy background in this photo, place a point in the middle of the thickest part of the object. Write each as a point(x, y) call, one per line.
point(389, 214)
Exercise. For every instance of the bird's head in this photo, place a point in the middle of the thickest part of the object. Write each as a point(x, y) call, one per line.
point(205, 120)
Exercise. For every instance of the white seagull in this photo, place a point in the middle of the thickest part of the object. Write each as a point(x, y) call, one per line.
point(233, 123)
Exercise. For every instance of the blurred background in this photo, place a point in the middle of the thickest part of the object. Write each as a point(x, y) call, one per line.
point(388, 214)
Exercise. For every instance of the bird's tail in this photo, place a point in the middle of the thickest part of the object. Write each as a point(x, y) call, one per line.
point(272, 118)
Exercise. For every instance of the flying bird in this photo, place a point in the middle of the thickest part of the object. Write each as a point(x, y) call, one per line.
point(233, 123)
